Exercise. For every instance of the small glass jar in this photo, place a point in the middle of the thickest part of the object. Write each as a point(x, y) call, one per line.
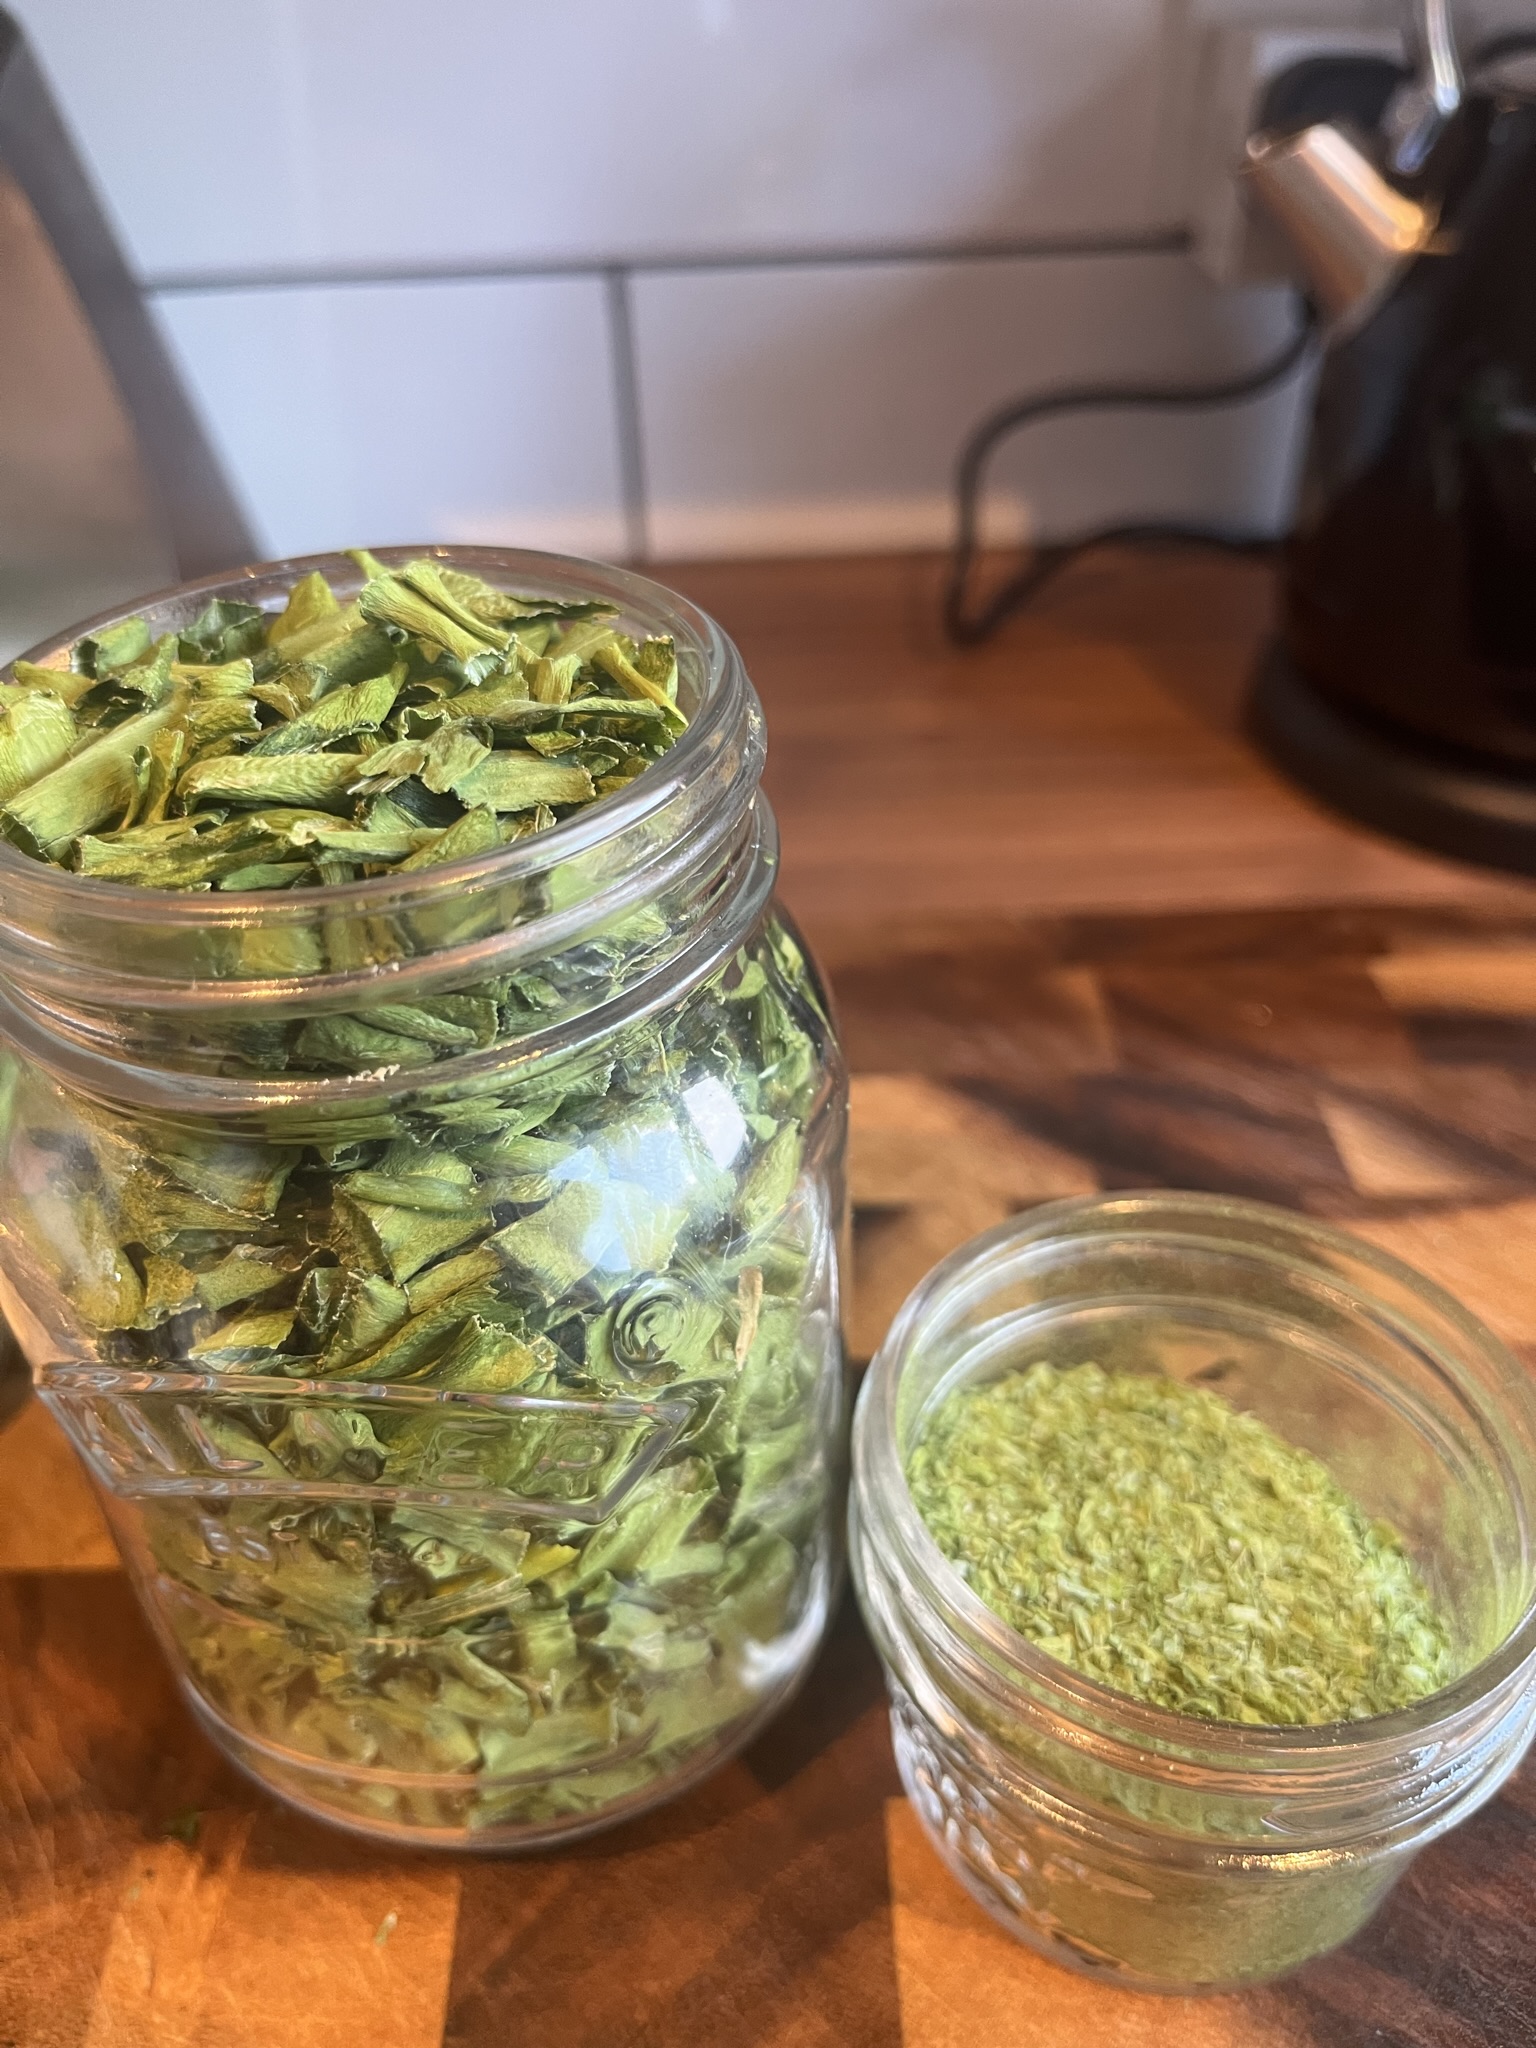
point(437, 1273)
point(1152, 1848)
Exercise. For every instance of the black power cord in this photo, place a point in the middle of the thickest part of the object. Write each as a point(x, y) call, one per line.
point(967, 627)
point(1512, 42)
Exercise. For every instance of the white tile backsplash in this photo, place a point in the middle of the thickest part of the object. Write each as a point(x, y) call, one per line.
point(784, 408)
point(324, 132)
point(782, 411)
point(478, 411)
point(822, 409)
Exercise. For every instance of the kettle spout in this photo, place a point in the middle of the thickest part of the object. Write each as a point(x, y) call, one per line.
point(1352, 233)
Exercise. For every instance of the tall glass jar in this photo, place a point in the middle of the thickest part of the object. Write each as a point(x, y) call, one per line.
point(1153, 1848)
point(437, 1274)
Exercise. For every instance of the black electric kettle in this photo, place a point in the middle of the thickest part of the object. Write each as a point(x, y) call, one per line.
point(1402, 684)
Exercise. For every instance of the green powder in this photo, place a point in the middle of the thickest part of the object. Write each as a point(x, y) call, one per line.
point(1155, 1539)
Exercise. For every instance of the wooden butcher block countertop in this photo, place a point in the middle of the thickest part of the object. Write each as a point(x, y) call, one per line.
point(1080, 937)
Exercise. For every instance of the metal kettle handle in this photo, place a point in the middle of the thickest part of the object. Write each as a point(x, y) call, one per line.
point(1419, 113)
point(1437, 43)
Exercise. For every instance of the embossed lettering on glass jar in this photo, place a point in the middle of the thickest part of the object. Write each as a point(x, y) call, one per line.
point(519, 1516)
point(1155, 1848)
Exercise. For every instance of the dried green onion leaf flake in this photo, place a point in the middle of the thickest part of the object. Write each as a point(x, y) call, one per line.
point(452, 699)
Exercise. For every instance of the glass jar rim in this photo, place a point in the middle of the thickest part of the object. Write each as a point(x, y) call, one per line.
point(1242, 1746)
point(725, 698)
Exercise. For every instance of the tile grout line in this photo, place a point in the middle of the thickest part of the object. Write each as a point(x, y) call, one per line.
point(1167, 241)
point(633, 493)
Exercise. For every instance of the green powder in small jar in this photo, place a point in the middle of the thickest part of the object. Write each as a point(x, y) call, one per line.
point(1155, 1539)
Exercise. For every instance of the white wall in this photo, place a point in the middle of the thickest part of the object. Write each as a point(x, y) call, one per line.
point(692, 276)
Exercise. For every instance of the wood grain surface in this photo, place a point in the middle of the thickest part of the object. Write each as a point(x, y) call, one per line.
point(1088, 759)
point(1322, 1020)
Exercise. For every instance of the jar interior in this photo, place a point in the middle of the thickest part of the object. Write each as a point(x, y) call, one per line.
point(1355, 1367)
point(222, 983)
point(641, 607)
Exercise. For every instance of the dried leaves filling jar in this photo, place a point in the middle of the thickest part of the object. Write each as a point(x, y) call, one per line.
point(437, 1273)
point(1157, 1848)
